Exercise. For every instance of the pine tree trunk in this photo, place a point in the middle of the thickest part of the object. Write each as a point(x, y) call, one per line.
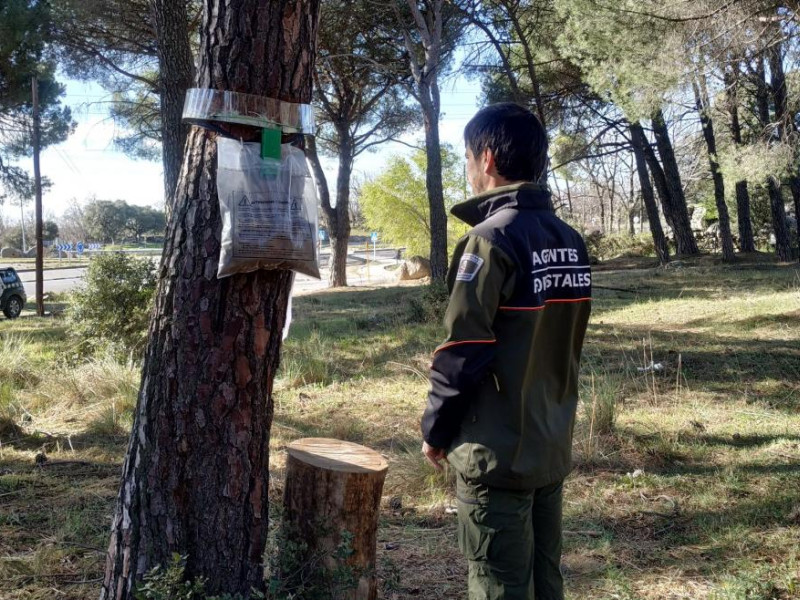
point(707, 124)
point(783, 244)
point(340, 235)
point(794, 183)
point(746, 241)
point(195, 477)
point(682, 224)
point(433, 181)
point(660, 181)
point(785, 120)
point(569, 198)
point(638, 141)
point(176, 73)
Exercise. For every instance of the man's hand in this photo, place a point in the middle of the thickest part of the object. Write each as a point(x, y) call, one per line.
point(434, 455)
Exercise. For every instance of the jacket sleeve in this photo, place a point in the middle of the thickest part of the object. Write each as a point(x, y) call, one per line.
point(481, 275)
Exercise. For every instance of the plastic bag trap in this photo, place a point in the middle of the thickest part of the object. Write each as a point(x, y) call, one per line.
point(268, 208)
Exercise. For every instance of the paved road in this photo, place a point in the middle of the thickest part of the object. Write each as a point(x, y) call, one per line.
point(359, 273)
point(55, 280)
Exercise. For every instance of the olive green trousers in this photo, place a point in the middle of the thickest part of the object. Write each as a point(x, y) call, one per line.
point(512, 540)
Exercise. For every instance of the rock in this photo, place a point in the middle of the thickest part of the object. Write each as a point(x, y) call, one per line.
point(10, 252)
point(698, 215)
point(414, 268)
point(31, 253)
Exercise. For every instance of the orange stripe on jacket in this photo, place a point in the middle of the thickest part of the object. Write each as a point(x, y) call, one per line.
point(546, 302)
point(450, 344)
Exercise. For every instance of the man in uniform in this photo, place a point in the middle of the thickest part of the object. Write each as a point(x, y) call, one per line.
point(504, 384)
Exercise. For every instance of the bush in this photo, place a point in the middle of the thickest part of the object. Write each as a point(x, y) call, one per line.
point(605, 247)
point(431, 304)
point(170, 583)
point(113, 307)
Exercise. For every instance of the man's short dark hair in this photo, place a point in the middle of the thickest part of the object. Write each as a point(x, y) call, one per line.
point(514, 135)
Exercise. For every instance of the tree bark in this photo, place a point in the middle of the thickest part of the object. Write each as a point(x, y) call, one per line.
point(639, 141)
point(707, 125)
point(433, 182)
point(660, 181)
point(784, 119)
point(195, 477)
point(332, 498)
point(425, 71)
point(340, 235)
point(176, 73)
point(746, 240)
point(681, 223)
point(783, 246)
point(329, 214)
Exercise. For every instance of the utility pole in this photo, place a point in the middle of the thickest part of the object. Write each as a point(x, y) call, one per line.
point(37, 178)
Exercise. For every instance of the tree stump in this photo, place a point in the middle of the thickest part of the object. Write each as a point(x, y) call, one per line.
point(331, 503)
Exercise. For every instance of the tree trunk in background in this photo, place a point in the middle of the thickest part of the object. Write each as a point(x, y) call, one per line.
point(639, 141)
point(433, 182)
point(424, 59)
point(682, 224)
point(195, 478)
point(340, 234)
point(746, 240)
point(707, 124)
point(794, 182)
point(783, 246)
point(783, 243)
point(569, 197)
point(176, 73)
point(660, 181)
point(786, 124)
point(329, 217)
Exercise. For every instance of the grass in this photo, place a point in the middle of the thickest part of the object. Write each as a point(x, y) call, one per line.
point(687, 447)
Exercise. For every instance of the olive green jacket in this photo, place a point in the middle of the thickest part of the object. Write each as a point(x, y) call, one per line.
point(504, 383)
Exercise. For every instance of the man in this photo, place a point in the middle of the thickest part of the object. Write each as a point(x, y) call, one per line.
point(504, 384)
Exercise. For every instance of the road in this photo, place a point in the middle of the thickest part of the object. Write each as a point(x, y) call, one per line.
point(55, 280)
point(359, 272)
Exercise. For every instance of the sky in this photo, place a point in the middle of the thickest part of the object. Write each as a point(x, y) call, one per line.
point(86, 165)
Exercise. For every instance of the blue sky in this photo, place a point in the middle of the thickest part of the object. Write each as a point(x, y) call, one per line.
point(87, 165)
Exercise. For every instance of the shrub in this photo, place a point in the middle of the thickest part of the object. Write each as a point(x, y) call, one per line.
point(431, 304)
point(170, 583)
point(113, 307)
point(605, 247)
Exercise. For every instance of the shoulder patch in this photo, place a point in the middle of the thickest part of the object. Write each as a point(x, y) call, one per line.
point(468, 267)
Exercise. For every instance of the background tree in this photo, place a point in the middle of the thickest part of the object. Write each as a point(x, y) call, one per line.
point(396, 201)
point(361, 104)
point(199, 449)
point(72, 223)
point(635, 60)
point(106, 219)
point(116, 42)
point(24, 52)
point(12, 236)
point(143, 220)
point(430, 29)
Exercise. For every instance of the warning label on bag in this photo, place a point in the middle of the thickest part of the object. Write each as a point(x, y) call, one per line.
point(269, 227)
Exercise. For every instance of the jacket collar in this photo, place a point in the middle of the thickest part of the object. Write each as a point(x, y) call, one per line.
point(527, 195)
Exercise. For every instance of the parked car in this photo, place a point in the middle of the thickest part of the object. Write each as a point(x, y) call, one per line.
point(12, 293)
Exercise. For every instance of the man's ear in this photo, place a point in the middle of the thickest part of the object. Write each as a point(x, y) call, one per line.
point(488, 162)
